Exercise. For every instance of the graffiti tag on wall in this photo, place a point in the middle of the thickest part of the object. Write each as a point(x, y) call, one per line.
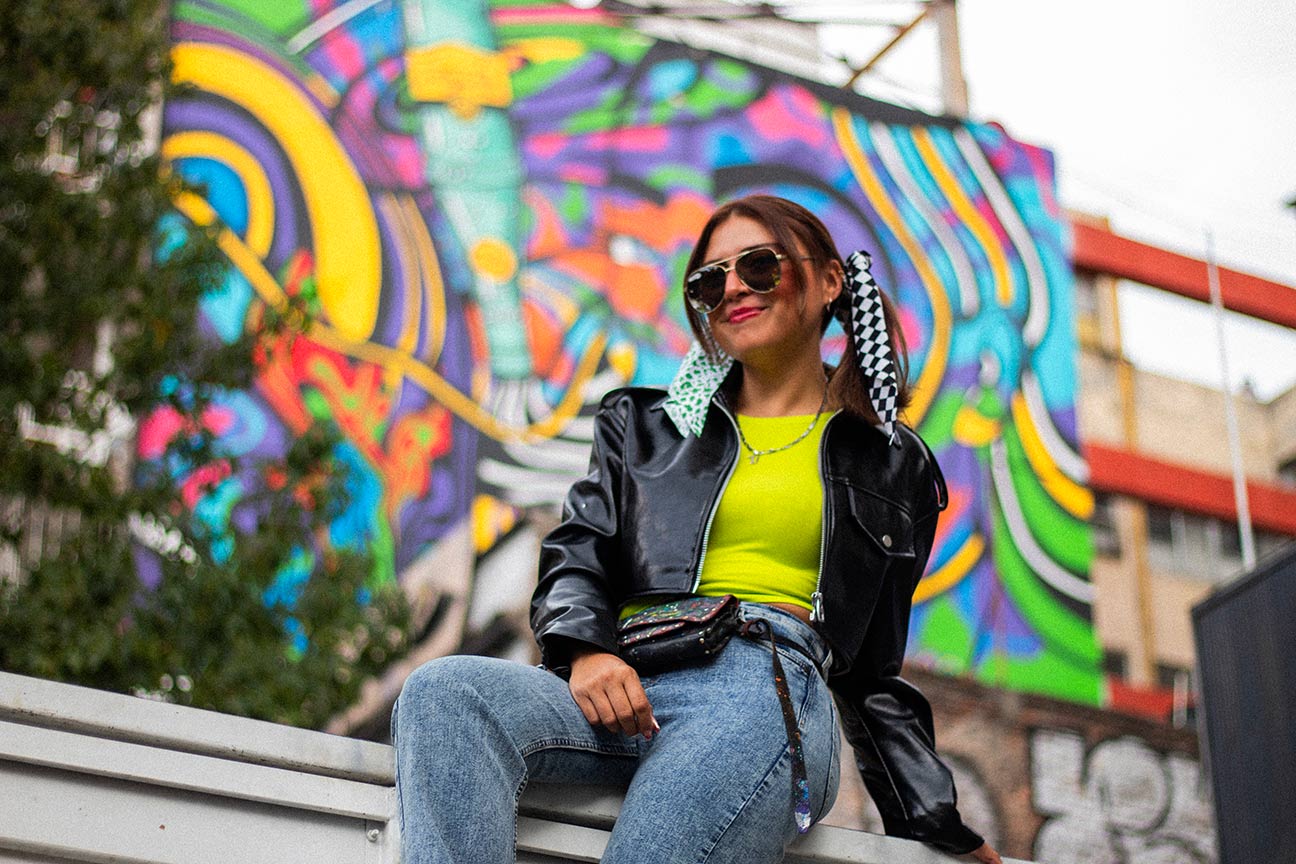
point(1120, 802)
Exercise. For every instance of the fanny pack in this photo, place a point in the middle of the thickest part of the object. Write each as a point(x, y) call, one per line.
point(696, 629)
point(677, 633)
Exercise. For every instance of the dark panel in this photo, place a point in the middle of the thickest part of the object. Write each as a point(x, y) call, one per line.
point(1246, 654)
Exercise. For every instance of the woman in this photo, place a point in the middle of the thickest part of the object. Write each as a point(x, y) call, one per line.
point(760, 474)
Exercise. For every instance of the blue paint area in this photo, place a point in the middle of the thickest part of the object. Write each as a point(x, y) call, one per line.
point(287, 584)
point(213, 512)
point(352, 529)
point(223, 189)
point(171, 235)
point(249, 427)
point(670, 79)
point(226, 307)
point(728, 150)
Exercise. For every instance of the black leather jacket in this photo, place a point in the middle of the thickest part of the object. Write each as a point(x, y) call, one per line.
point(636, 526)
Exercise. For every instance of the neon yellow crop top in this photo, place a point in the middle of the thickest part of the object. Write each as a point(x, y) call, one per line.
point(764, 541)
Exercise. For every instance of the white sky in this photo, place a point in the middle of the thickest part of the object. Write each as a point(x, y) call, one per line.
point(1166, 117)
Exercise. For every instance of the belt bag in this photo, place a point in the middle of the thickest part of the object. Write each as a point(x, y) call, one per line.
point(695, 629)
point(674, 634)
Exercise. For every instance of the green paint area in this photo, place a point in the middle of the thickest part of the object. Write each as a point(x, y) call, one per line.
point(621, 44)
point(1064, 538)
point(575, 204)
point(609, 113)
point(532, 78)
point(284, 17)
point(251, 30)
point(673, 177)
point(708, 97)
point(946, 635)
point(1046, 674)
point(382, 546)
point(1069, 665)
point(253, 19)
point(937, 427)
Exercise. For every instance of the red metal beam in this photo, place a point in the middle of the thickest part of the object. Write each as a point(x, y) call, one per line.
point(1125, 472)
point(1104, 252)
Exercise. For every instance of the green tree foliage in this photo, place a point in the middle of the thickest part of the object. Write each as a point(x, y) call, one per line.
point(98, 306)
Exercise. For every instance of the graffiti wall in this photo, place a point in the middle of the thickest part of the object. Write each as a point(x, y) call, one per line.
point(1047, 780)
point(488, 208)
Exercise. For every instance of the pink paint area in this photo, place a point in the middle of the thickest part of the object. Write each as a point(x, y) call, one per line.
point(790, 113)
point(1041, 162)
point(988, 213)
point(551, 13)
point(218, 419)
point(407, 159)
point(344, 54)
point(547, 145)
point(638, 139)
point(915, 337)
point(590, 174)
point(202, 480)
point(166, 423)
point(156, 430)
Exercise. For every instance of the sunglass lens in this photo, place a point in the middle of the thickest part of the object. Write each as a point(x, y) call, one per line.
point(706, 287)
point(759, 270)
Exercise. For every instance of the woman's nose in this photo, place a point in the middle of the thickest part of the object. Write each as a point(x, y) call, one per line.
point(733, 285)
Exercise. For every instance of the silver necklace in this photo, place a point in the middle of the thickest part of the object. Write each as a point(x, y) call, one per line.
point(756, 454)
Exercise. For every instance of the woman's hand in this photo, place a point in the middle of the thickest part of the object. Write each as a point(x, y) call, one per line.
point(986, 855)
point(609, 694)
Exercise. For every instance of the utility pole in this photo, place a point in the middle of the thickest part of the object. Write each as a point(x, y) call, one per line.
point(954, 91)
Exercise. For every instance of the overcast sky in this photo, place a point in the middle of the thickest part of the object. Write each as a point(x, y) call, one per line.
point(1165, 117)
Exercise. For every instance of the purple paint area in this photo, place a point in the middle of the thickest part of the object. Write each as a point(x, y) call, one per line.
point(148, 566)
point(291, 227)
point(580, 90)
point(188, 31)
point(391, 300)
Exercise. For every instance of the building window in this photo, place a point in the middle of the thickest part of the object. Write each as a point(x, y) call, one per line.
point(1188, 544)
point(1287, 472)
point(1115, 664)
point(1106, 539)
point(1085, 292)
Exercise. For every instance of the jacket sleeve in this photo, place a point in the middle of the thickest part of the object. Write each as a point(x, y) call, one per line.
point(573, 599)
point(888, 721)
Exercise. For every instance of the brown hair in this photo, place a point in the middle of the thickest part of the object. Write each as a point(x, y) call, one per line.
point(796, 228)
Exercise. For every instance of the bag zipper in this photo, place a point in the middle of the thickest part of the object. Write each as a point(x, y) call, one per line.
point(715, 504)
point(816, 598)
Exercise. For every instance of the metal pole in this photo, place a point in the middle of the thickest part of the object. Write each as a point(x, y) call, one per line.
point(1230, 413)
point(954, 90)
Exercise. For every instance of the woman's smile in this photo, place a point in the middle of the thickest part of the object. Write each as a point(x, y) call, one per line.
point(744, 313)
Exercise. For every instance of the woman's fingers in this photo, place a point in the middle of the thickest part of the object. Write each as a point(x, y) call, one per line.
point(605, 685)
point(607, 712)
point(644, 721)
point(986, 854)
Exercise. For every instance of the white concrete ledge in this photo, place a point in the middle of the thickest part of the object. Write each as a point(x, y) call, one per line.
point(117, 717)
point(93, 776)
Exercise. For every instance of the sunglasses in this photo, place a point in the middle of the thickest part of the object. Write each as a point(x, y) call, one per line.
point(758, 269)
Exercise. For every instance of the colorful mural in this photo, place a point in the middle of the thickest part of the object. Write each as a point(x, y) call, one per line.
point(489, 207)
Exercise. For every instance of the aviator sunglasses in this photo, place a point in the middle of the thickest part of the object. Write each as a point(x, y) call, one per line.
point(758, 269)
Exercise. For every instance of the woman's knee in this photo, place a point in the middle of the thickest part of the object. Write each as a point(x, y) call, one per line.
point(437, 685)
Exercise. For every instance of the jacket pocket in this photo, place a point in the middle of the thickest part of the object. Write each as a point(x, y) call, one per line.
point(886, 525)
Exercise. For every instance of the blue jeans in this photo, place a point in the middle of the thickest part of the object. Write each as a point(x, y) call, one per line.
point(714, 785)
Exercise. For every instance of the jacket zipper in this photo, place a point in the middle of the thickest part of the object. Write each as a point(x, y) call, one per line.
point(816, 599)
point(715, 505)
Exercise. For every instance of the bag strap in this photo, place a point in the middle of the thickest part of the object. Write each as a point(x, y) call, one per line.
point(755, 628)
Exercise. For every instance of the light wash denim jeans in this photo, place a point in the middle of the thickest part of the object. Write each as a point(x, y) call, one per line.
point(714, 785)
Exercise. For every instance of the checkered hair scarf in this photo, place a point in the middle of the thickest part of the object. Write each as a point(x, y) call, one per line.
point(865, 324)
point(701, 374)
